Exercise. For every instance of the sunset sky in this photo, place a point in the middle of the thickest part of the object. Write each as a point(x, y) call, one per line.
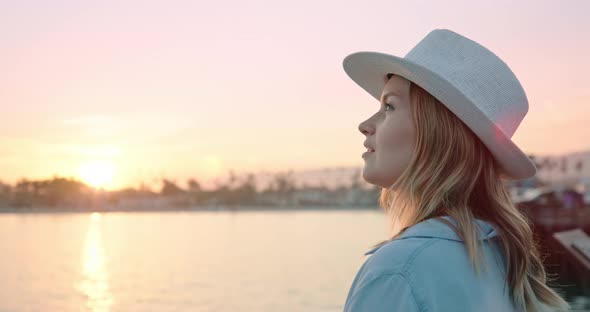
point(118, 92)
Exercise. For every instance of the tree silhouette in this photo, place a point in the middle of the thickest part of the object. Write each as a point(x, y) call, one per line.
point(194, 186)
point(170, 188)
point(283, 183)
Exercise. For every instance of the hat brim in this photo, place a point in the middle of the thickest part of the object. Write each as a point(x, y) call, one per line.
point(369, 70)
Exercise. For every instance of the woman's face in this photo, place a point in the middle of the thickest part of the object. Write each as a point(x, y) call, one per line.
point(390, 133)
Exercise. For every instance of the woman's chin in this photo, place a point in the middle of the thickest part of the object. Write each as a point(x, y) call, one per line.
point(369, 177)
point(374, 179)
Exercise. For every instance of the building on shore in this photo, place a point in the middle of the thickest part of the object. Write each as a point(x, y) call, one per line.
point(566, 171)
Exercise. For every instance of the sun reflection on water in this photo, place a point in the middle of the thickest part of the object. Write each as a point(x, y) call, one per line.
point(95, 283)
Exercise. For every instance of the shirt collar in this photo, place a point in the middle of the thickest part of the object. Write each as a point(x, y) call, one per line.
point(434, 228)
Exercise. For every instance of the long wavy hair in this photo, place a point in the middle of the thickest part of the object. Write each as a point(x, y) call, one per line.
point(453, 173)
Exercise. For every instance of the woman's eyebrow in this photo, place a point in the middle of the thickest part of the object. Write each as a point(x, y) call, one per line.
point(386, 95)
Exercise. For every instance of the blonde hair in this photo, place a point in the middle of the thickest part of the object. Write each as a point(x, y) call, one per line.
point(453, 173)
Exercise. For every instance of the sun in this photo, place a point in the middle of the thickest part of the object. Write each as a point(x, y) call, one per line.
point(97, 174)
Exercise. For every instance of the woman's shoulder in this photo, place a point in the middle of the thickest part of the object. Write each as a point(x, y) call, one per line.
point(430, 262)
point(400, 256)
point(388, 273)
point(430, 272)
point(426, 246)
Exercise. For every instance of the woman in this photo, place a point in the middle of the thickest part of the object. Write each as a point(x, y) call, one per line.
point(440, 147)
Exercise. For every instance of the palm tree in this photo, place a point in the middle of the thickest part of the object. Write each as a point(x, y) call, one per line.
point(194, 186)
point(170, 188)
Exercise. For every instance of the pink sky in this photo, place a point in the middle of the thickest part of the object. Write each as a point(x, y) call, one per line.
point(193, 89)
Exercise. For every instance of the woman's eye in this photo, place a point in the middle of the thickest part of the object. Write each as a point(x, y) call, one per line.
point(387, 105)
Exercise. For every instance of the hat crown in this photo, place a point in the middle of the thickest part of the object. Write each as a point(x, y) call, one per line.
point(481, 75)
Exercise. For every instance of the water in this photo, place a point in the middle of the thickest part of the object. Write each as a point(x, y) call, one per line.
point(183, 261)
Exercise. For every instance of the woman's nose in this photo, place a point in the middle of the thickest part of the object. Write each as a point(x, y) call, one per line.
point(365, 128)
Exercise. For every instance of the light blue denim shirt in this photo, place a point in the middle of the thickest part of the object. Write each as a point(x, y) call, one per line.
point(428, 269)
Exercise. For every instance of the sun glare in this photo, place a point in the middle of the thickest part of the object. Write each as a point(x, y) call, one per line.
point(97, 174)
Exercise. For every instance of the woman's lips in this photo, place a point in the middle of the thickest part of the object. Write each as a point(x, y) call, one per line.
point(367, 153)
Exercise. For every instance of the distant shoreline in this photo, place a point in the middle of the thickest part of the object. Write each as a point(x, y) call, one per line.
point(187, 209)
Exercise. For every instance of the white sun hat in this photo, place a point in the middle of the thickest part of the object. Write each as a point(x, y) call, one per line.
point(470, 80)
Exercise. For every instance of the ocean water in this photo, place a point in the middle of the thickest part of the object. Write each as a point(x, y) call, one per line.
point(183, 261)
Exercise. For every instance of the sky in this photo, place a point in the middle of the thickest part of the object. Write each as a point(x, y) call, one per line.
point(130, 91)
